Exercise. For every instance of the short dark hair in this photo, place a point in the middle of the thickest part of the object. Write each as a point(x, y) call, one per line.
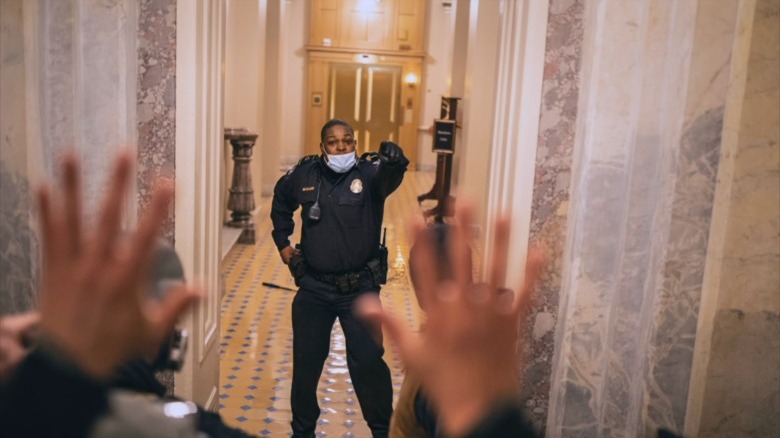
point(331, 123)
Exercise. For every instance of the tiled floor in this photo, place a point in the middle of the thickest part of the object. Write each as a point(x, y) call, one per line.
point(256, 345)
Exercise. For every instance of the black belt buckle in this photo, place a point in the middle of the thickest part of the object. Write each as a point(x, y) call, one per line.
point(348, 281)
point(355, 279)
point(342, 282)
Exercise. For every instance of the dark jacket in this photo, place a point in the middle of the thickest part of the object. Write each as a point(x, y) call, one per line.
point(352, 204)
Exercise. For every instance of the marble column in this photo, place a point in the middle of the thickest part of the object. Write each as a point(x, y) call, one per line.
point(85, 80)
point(735, 384)
point(70, 75)
point(551, 192)
point(18, 236)
point(156, 111)
point(86, 76)
point(156, 99)
point(653, 87)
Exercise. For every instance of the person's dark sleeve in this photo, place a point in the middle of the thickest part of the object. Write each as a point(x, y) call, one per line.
point(282, 208)
point(47, 396)
point(137, 375)
point(389, 176)
point(212, 424)
point(504, 420)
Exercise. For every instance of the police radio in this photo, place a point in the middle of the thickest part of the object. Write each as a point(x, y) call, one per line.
point(314, 211)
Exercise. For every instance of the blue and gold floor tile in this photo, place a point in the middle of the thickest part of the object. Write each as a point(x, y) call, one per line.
point(256, 344)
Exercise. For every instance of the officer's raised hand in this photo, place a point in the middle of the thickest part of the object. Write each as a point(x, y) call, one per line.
point(390, 152)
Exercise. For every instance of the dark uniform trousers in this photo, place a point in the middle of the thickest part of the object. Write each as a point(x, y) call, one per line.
point(315, 308)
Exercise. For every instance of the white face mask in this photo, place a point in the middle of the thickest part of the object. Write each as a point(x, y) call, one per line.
point(341, 163)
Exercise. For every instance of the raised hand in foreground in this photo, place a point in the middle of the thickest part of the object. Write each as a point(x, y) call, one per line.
point(16, 332)
point(467, 357)
point(94, 305)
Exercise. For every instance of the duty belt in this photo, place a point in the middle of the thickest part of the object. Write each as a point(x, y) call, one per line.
point(346, 281)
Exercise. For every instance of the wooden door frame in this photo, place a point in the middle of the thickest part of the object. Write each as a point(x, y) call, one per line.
point(200, 36)
point(365, 100)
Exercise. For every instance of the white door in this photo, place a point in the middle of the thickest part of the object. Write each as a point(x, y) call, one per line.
point(200, 40)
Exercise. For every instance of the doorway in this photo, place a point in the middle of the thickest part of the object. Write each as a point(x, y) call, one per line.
point(368, 97)
point(376, 98)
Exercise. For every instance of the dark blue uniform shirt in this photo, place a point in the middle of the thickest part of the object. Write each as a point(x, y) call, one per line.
point(352, 205)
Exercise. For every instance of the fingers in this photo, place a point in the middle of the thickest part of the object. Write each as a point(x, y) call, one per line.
point(423, 263)
point(11, 355)
point(18, 324)
point(389, 151)
point(460, 249)
point(73, 205)
point(164, 315)
point(108, 227)
point(50, 231)
point(369, 308)
point(144, 240)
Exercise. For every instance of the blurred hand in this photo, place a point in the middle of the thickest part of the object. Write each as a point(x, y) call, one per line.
point(467, 357)
point(94, 304)
point(15, 336)
point(390, 152)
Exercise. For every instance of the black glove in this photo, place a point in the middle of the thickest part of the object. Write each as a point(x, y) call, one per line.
point(390, 152)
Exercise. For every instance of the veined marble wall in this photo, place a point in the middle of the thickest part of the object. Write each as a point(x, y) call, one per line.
point(74, 75)
point(84, 81)
point(736, 386)
point(552, 176)
point(18, 240)
point(72, 78)
point(156, 99)
point(156, 106)
point(652, 93)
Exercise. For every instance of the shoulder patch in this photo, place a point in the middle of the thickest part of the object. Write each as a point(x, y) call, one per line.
point(305, 160)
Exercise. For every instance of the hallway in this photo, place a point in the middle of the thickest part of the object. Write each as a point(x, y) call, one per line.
point(256, 343)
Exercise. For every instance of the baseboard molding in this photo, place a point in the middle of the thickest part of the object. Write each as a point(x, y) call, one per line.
point(230, 236)
point(211, 403)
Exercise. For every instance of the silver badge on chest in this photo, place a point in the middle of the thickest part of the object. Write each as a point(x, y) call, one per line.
point(356, 186)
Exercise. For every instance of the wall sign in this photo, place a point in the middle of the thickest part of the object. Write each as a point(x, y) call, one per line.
point(444, 136)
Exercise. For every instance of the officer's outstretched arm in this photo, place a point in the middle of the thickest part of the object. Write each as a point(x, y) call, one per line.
point(392, 166)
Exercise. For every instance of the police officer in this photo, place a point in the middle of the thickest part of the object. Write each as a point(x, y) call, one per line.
point(338, 259)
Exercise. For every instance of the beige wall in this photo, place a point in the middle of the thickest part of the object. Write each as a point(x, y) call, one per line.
point(283, 116)
point(478, 61)
point(264, 82)
point(293, 60)
point(478, 103)
point(244, 53)
point(244, 77)
point(437, 75)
